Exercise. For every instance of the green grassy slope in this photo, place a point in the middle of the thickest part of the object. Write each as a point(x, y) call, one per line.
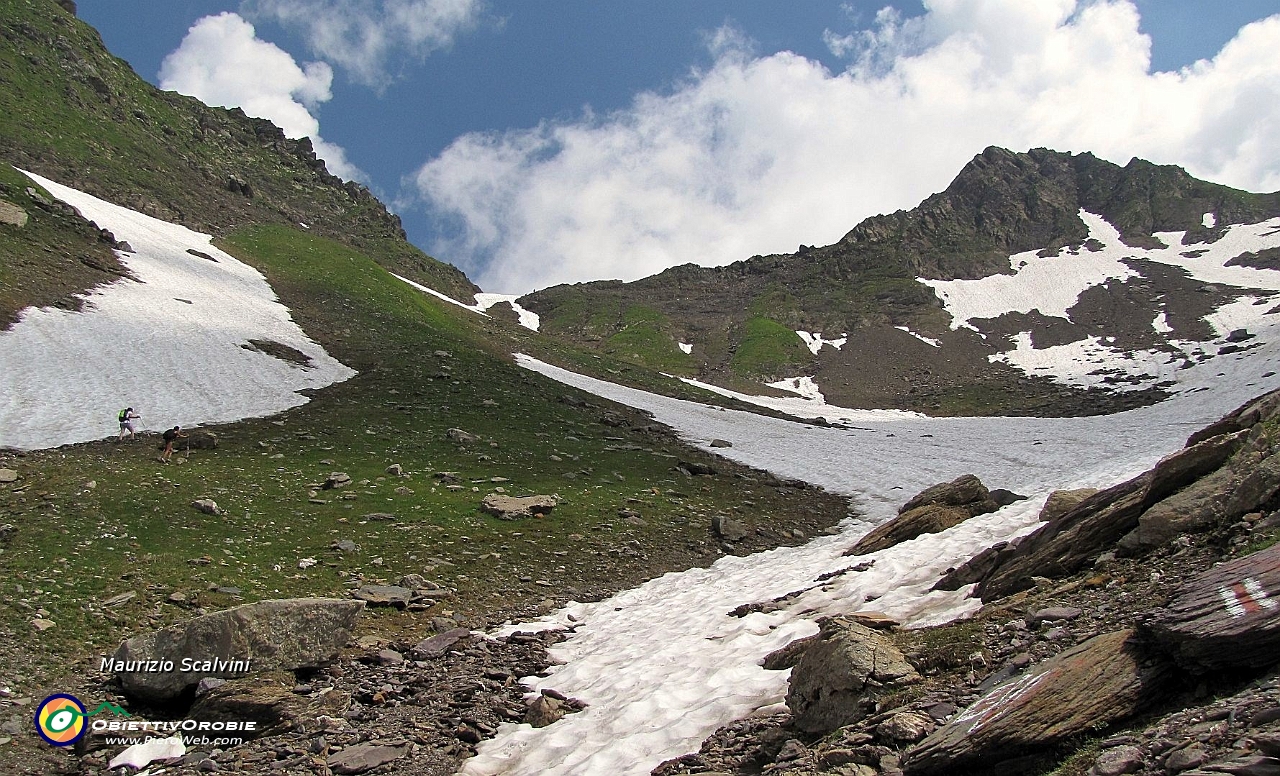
point(72, 112)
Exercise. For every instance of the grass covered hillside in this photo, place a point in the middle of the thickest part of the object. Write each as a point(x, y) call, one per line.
point(74, 113)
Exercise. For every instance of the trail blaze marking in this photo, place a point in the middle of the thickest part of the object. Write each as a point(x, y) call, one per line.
point(1245, 598)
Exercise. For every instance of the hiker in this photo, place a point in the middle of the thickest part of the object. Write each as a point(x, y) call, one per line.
point(170, 436)
point(126, 418)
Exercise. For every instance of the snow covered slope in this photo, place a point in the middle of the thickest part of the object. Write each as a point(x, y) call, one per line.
point(174, 343)
point(663, 665)
point(1052, 285)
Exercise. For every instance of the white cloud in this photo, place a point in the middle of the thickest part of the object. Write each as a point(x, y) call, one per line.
point(758, 154)
point(222, 62)
point(365, 36)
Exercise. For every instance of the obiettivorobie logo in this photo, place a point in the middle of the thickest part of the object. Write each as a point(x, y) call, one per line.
point(60, 718)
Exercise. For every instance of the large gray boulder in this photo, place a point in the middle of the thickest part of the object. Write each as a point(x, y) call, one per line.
point(843, 674)
point(1083, 689)
point(265, 636)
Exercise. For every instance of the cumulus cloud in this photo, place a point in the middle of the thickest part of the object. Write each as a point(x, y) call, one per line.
point(366, 36)
point(757, 154)
point(222, 62)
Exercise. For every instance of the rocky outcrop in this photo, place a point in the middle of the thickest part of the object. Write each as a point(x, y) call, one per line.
point(1225, 472)
point(264, 636)
point(1228, 617)
point(933, 510)
point(1085, 688)
point(842, 674)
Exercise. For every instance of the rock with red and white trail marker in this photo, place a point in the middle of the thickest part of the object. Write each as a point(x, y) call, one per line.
point(1228, 617)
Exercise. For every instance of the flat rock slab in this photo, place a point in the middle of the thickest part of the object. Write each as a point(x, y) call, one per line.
point(365, 757)
point(1085, 688)
point(512, 507)
point(1228, 617)
point(385, 595)
point(265, 636)
point(439, 644)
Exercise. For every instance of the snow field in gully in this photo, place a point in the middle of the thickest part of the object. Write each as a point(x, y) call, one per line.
point(662, 666)
point(167, 342)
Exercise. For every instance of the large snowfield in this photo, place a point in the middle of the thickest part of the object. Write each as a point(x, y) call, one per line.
point(662, 665)
point(168, 343)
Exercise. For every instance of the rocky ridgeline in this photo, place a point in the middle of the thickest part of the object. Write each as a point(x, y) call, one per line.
point(1136, 631)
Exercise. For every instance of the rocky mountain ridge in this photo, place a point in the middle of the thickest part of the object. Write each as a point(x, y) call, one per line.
point(745, 324)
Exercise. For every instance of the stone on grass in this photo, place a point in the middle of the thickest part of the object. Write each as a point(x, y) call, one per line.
point(206, 505)
point(268, 635)
point(512, 507)
point(385, 595)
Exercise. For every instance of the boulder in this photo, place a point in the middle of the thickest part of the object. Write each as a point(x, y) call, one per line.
point(931, 518)
point(512, 507)
point(1227, 617)
point(543, 711)
point(460, 436)
point(843, 674)
point(197, 439)
point(12, 215)
point(965, 489)
point(932, 510)
point(336, 480)
point(8, 475)
point(268, 700)
point(268, 635)
point(1081, 690)
point(1061, 502)
point(728, 528)
point(206, 505)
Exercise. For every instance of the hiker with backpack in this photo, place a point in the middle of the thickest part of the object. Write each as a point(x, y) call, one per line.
point(171, 436)
point(126, 418)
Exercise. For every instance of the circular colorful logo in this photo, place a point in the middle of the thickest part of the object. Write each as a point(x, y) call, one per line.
point(60, 719)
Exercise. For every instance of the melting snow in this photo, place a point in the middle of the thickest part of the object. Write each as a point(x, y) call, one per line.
point(1209, 220)
point(1053, 284)
point(528, 318)
point(814, 341)
point(687, 347)
point(926, 340)
point(805, 386)
point(663, 665)
point(168, 344)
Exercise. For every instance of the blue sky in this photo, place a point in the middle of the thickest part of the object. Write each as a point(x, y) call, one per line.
point(540, 142)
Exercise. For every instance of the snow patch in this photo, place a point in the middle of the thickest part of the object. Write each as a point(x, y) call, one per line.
point(1209, 220)
point(528, 319)
point(169, 343)
point(1161, 323)
point(687, 347)
point(805, 386)
point(926, 340)
point(814, 341)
